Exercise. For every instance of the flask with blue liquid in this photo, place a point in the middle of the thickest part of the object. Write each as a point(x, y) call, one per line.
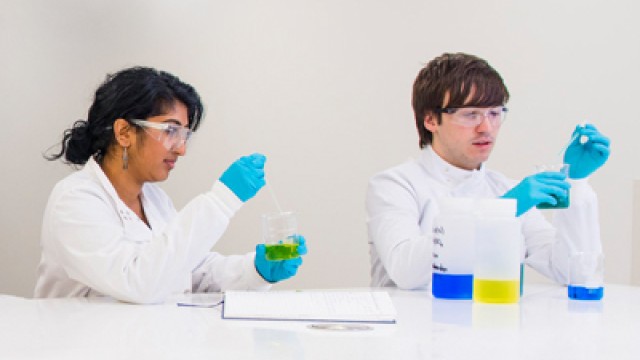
point(453, 249)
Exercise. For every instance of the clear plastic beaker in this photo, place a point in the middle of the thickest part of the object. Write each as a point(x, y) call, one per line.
point(280, 235)
point(453, 249)
point(562, 202)
point(586, 276)
point(498, 248)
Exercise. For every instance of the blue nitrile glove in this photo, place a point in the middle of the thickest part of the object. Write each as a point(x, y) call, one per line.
point(245, 176)
point(586, 158)
point(537, 189)
point(274, 271)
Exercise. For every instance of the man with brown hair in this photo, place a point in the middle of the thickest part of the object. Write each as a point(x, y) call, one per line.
point(459, 104)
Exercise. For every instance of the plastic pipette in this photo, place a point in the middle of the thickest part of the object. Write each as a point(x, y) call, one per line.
point(275, 199)
point(583, 140)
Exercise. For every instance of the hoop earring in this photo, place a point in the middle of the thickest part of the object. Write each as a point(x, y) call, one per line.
point(125, 158)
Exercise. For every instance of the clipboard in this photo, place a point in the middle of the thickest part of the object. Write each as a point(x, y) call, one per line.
point(311, 305)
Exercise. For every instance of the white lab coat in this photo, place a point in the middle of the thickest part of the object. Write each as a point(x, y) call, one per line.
point(403, 201)
point(93, 244)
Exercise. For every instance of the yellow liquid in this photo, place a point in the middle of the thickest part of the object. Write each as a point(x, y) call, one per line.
point(281, 251)
point(496, 291)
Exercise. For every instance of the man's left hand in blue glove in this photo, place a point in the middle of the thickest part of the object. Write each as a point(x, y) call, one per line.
point(586, 157)
point(274, 271)
point(538, 188)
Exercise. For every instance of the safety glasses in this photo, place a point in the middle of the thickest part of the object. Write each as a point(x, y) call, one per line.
point(472, 117)
point(171, 136)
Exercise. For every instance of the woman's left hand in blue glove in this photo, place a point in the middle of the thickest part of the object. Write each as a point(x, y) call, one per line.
point(585, 158)
point(278, 270)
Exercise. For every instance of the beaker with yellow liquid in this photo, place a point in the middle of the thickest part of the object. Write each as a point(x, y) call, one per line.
point(496, 273)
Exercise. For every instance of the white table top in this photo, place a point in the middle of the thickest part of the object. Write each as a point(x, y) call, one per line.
point(544, 325)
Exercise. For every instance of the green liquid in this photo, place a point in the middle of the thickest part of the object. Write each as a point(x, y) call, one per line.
point(562, 203)
point(281, 251)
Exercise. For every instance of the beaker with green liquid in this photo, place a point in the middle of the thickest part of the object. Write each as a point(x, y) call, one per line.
point(280, 235)
point(562, 202)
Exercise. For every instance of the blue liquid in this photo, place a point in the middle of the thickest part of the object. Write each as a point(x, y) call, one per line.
point(452, 286)
point(585, 293)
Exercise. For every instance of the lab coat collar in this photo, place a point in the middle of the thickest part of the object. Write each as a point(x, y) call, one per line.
point(95, 168)
point(125, 213)
point(446, 173)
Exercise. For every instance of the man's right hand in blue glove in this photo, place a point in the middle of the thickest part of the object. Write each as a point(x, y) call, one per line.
point(537, 189)
point(245, 176)
point(585, 158)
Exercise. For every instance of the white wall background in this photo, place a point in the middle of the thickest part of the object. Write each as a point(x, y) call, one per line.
point(323, 89)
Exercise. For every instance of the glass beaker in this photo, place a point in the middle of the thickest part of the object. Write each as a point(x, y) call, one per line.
point(562, 202)
point(586, 276)
point(279, 232)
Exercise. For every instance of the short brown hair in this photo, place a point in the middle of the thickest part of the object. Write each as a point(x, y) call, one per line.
point(457, 75)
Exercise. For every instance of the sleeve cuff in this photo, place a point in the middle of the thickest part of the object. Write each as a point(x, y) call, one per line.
point(227, 196)
point(252, 278)
point(581, 191)
point(578, 182)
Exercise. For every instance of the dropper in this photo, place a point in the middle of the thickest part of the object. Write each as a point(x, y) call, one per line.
point(273, 196)
point(583, 140)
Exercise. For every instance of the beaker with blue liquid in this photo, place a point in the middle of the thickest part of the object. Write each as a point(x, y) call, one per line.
point(586, 276)
point(453, 249)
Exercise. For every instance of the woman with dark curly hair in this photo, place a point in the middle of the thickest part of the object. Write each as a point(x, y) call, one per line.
point(108, 230)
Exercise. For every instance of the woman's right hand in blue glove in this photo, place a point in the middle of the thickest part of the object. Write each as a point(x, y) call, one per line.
point(245, 176)
point(537, 189)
